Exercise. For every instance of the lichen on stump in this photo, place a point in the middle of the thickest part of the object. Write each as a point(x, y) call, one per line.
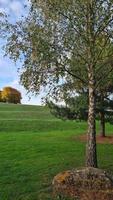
point(84, 184)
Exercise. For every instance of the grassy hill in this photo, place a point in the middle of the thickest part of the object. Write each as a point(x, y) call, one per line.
point(24, 112)
point(35, 146)
point(31, 118)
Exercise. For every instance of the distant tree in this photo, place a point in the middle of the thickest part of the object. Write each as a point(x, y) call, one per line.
point(11, 95)
point(76, 108)
point(72, 109)
point(1, 96)
point(104, 102)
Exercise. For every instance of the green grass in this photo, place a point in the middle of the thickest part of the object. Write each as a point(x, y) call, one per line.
point(35, 146)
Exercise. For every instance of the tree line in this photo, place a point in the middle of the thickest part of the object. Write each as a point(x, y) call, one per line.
point(10, 95)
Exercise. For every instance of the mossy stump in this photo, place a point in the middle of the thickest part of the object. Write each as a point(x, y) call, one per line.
point(84, 184)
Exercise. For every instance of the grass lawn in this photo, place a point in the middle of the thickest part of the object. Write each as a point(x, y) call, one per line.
point(35, 146)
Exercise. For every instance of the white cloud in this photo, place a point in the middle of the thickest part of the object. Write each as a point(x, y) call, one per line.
point(4, 2)
point(2, 10)
point(16, 7)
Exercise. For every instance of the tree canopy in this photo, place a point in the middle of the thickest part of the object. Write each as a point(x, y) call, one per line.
point(0, 96)
point(10, 95)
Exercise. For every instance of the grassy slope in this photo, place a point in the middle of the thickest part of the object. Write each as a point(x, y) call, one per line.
point(35, 146)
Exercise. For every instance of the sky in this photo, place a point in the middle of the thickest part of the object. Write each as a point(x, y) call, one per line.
point(8, 69)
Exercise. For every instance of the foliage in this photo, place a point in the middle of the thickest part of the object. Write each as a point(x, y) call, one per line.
point(77, 108)
point(74, 108)
point(55, 40)
point(1, 96)
point(11, 95)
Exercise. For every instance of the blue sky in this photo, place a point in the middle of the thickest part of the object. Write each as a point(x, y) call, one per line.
point(8, 69)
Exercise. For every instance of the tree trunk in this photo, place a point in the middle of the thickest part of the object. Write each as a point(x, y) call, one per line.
point(102, 124)
point(91, 154)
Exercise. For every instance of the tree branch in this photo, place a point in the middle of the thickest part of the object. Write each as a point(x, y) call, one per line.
point(75, 76)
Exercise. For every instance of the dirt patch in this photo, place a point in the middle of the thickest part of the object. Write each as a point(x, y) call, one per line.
point(99, 139)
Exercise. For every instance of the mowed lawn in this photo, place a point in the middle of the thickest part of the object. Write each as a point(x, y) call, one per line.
point(35, 146)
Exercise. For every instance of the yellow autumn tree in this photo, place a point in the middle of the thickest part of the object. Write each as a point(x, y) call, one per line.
point(11, 95)
point(1, 96)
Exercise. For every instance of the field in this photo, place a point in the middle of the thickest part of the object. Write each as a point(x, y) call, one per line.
point(35, 146)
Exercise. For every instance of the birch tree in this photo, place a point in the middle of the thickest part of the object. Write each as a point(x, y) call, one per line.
point(64, 39)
